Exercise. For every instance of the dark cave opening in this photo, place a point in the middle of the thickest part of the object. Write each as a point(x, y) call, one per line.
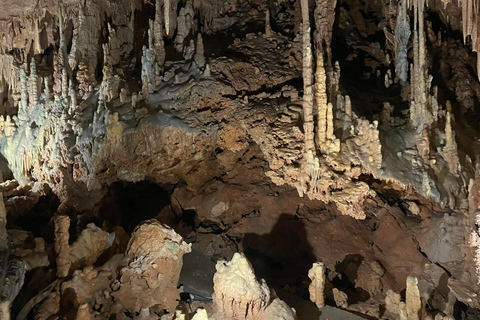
point(127, 204)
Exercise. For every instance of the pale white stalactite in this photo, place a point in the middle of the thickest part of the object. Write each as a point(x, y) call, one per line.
point(33, 85)
point(24, 92)
point(422, 52)
point(37, 47)
point(166, 12)
point(307, 72)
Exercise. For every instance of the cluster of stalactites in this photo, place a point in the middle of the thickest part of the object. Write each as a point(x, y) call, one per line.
point(325, 138)
point(471, 25)
point(470, 21)
point(418, 111)
point(153, 57)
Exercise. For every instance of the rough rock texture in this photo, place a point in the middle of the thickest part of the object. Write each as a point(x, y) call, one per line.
point(350, 138)
point(238, 294)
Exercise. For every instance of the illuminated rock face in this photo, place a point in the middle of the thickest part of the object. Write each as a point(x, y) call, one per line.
point(336, 129)
point(239, 295)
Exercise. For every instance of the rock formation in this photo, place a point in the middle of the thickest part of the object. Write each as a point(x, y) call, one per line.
point(134, 132)
point(317, 287)
point(238, 294)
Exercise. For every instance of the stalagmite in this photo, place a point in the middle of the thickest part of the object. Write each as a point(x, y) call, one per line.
point(268, 28)
point(392, 304)
point(62, 224)
point(412, 299)
point(450, 151)
point(200, 314)
point(341, 298)
point(200, 52)
point(317, 287)
point(83, 313)
point(348, 106)
point(238, 294)
point(4, 310)
point(237, 291)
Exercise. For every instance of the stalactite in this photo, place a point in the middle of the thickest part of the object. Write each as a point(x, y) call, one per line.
point(402, 35)
point(33, 85)
point(182, 31)
point(158, 36)
point(24, 92)
point(166, 12)
point(307, 72)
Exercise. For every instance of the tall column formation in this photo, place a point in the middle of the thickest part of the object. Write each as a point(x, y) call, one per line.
point(61, 225)
point(321, 100)
point(307, 73)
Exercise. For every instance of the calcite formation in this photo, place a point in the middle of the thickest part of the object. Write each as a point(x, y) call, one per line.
point(339, 131)
point(317, 287)
point(239, 295)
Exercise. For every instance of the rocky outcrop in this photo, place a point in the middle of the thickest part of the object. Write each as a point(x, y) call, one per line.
point(239, 295)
